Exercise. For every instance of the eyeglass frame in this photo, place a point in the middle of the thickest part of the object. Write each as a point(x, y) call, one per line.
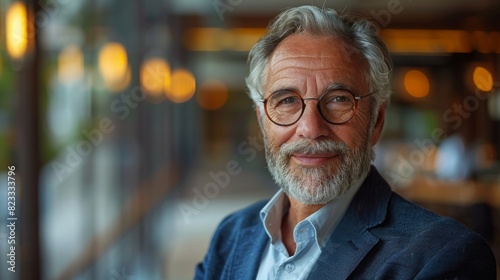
point(356, 100)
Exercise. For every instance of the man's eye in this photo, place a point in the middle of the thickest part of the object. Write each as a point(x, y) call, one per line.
point(288, 100)
point(339, 99)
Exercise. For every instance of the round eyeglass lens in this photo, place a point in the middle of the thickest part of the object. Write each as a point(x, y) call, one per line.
point(337, 106)
point(285, 107)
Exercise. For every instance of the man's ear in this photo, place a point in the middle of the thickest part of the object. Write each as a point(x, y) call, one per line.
point(379, 125)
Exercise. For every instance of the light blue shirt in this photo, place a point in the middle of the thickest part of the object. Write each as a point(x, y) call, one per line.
point(310, 235)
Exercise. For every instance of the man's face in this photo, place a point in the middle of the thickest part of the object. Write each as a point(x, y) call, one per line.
point(312, 160)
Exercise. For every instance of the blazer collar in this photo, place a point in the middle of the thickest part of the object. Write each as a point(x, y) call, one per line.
point(352, 240)
point(370, 203)
point(248, 251)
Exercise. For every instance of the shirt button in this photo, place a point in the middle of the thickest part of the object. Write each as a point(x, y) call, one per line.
point(290, 267)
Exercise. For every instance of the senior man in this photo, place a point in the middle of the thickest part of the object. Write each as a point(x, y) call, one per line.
point(321, 84)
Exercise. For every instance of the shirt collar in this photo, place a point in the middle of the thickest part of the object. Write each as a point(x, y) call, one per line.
point(323, 221)
point(272, 214)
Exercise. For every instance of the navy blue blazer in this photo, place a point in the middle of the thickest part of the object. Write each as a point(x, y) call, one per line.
point(381, 236)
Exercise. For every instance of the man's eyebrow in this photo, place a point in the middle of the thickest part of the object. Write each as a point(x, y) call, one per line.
point(340, 86)
point(337, 86)
point(285, 88)
point(276, 89)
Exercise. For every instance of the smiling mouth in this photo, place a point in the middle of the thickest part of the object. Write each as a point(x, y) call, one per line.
point(313, 160)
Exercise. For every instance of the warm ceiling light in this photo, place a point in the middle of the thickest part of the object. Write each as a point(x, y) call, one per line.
point(421, 41)
point(183, 86)
point(70, 64)
point(155, 75)
point(205, 39)
point(16, 30)
point(212, 95)
point(416, 83)
point(113, 65)
point(123, 83)
point(483, 79)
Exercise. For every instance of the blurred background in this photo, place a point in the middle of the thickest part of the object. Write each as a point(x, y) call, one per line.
point(131, 135)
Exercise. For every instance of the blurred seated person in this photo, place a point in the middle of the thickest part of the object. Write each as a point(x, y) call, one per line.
point(454, 162)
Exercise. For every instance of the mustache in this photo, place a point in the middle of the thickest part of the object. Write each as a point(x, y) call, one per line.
point(303, 146)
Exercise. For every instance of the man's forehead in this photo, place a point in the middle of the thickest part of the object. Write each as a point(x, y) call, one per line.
point(313, 51)
point(311, 62)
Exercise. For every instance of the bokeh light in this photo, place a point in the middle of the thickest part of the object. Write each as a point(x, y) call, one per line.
point(482, 78)
point(486, 155)
point(70, 66)
point(113, 66)
point(183, 86)
point(16, 28)
point(123, 83)
point(416, 83)
point(212, 94)
point(154, 76)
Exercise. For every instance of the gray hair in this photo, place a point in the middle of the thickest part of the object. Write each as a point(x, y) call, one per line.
point(358, 33)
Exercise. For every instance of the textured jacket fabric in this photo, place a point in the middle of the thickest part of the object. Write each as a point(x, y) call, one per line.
point(381, 236)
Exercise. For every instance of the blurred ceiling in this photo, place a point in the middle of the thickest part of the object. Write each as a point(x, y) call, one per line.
point(431, 14)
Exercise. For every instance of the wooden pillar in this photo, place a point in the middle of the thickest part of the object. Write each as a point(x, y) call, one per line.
point(27, 153)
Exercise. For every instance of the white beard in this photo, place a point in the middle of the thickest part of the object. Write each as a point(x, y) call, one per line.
point(323, 184)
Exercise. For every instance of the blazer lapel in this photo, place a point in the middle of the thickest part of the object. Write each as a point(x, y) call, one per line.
point(248, 251)
point(349, 243)
point(352, 240)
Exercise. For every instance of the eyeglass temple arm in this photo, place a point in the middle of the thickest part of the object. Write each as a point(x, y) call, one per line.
point(361, 97)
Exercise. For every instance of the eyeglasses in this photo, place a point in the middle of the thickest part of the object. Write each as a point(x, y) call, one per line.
point(285, 107)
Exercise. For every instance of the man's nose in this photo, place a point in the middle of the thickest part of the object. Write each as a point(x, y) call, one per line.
point(312, 125)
